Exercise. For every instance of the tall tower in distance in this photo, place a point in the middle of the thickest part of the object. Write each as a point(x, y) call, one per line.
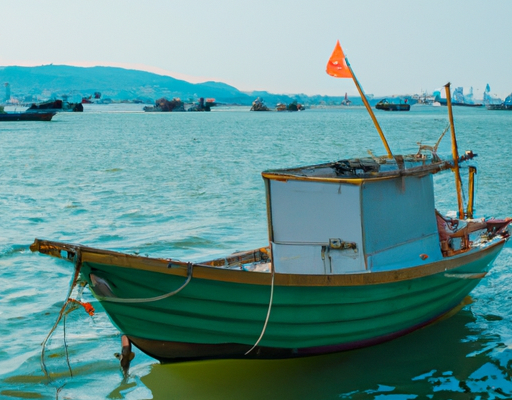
point(7, 92)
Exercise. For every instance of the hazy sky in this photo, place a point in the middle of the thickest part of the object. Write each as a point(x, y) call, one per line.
point(281, 46)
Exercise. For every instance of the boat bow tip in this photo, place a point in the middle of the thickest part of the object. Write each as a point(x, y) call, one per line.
point(35, 246)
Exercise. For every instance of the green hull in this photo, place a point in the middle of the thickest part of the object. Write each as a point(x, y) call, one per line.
point(214, 318)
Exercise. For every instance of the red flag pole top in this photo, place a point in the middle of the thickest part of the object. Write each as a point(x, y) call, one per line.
point(339, 67)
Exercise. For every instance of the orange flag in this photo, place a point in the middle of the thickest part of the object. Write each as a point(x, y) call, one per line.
point(337, 66)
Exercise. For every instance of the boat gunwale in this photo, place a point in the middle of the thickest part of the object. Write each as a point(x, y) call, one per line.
point(290, 174)
point(208, 272)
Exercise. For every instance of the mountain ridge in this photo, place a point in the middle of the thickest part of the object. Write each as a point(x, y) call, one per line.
point(30, 84)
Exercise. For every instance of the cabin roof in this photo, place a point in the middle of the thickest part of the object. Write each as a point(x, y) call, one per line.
point(355, 170)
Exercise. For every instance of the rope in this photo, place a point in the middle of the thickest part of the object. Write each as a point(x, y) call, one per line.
point(268, 315)
point(63, 313)
point(78, 266)
point(66, 346)
point(150, 299)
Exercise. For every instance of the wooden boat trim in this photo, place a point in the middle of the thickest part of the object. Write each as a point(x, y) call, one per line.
point(203, 271)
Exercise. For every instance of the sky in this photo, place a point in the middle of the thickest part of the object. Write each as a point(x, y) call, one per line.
point(280, 46)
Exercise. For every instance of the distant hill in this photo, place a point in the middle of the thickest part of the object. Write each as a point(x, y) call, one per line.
point(55, 81)
point(115, 83)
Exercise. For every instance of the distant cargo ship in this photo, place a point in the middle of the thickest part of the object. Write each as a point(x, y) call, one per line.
point(506, 105)
point(459, 99)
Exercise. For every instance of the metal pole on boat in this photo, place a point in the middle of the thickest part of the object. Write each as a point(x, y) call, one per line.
point(455, 153)
point(471, 192)
point(368, 107)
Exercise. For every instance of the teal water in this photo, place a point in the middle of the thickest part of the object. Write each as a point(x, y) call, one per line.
point(188, 186)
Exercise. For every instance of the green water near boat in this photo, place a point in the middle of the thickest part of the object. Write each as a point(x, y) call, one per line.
point(188, 186)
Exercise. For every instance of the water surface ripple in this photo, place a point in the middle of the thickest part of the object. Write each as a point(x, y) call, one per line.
point(188, 186)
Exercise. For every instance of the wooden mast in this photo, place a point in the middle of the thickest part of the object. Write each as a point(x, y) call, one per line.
point(455, 153)
point(368, 107)
point(339, 67)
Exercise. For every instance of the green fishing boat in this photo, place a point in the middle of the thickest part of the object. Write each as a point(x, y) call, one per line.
point(357, 254)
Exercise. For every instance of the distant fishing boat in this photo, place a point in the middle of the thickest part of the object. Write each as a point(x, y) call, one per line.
point(177, 105)
point(26, 116)
point(57, 106)
point(357, 254)
point(202, 105)
point(259, 105)
point(388, 105)
point(293, 106)
point(164, 105)
point(346, 101)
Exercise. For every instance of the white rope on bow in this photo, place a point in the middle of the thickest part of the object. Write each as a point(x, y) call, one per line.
point(268, 314)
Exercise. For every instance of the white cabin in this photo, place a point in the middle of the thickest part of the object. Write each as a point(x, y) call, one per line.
point(324, 223)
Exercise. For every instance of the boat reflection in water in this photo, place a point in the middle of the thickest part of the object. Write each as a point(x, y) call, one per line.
point(424, 361)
